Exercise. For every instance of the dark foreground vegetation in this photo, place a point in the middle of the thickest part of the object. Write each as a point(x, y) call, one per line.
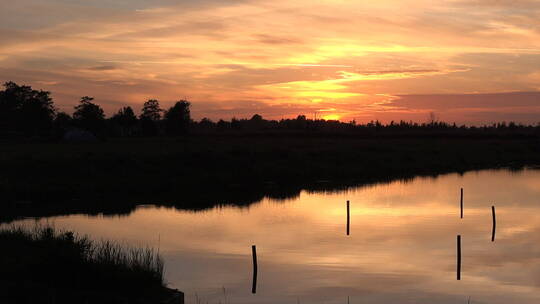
point(53, 163)
point(41, 179)
point(47, 266)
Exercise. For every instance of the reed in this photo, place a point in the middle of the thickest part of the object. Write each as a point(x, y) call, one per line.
point(44, 259)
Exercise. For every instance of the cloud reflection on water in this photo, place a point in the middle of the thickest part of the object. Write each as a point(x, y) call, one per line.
point(401, 248)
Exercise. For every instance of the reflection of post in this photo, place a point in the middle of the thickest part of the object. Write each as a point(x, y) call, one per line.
point(459, 257)
point(461, 203)
point(348, 218)
point(494, 224)
point(254, 253)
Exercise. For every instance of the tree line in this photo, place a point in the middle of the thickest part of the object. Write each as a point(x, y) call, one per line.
point(28, 112)
point(25, 112)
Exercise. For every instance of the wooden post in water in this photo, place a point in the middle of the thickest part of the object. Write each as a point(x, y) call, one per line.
point(254, 253)
point(348, 218)
point(461, 203)
point(459, 257)
point(494, 224)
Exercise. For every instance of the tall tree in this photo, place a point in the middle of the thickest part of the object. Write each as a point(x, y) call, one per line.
point(125, 117)
point(125, 120)
point(24, 110)
point(178, 118)
point(62, 122)
point(151, 110)
point(150, 117)
point(89, 116)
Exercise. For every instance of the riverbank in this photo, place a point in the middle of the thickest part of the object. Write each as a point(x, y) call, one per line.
point(48, 266)
point(40, 179)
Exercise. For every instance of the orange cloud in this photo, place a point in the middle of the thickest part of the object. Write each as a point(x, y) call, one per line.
point(306, 55)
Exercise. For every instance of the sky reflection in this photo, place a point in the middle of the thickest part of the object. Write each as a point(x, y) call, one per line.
point(401, 248)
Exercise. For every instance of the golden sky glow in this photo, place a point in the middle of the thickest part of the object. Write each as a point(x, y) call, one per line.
point(386, 59)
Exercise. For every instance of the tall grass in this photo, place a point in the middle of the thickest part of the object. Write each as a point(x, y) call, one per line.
point(104, 253)
point(137, 260)
point(44, 259)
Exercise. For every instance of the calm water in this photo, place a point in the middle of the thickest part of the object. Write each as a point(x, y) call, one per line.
point(402, 247)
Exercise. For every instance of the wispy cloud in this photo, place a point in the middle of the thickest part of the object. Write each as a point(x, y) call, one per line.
point(354, 57)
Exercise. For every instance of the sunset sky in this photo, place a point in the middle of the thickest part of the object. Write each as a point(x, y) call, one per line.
point(474, 62)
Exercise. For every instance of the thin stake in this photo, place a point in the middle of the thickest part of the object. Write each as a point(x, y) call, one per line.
point(348, 218)
point(459, 257)
point(254, 253)
point(461, 203)
point(494, 223)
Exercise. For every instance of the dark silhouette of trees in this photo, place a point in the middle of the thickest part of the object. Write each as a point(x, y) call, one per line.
point(24, 110)
point(125, 116)
point(301, 122)
point(178, 118)
point(89, 116)
point(61, 124)
point(236, 123)
point(206, 123)
point(256, 122)
point(222, 125)
point(150, 117)
point(125, 122)
point(151, 110)
point(63, 120)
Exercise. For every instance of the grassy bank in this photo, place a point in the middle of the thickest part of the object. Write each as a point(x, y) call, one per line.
point(46, 266)
point(198, 172)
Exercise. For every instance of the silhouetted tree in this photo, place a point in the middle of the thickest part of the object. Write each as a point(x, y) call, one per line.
point(89, 116)
point(125, 121)
point(301, 121)
point(125, 116)
point(150, 116)
point(256, 118)
point(206, 124)
point(62, 119)
point(432, 119)
point(178, 118)
point(62, 122)
point(223, 125)
point(24, 110)
point(151, 110)
point(235, 123)
point(256, 122)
